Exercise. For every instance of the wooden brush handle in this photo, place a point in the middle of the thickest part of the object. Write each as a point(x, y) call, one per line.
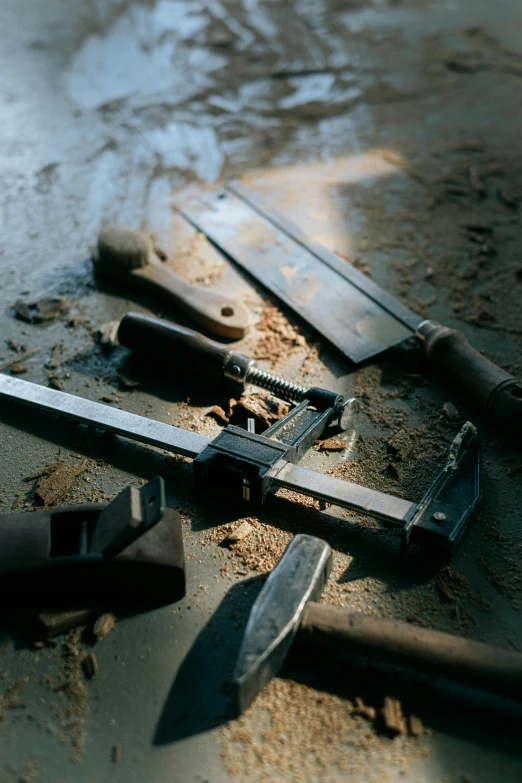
point(217, 312)
point(463, 661)
point(497, 392)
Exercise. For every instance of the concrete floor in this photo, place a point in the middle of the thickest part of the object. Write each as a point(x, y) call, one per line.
point(355, 119)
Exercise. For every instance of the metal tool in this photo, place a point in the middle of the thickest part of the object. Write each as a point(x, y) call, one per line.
point(250, 466)
point(128, 551)
point(286, 608)
point(350, 310)
point(176, 347)
point(129, 256)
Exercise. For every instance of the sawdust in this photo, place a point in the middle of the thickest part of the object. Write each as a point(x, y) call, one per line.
point(279, 339)
point(9, 698)
point(294, 732)
point(71, 713)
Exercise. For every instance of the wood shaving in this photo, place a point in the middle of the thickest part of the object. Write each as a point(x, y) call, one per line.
point(332, 444)
point(17, 359)
point(90, 666)
point(238, 534)
point(393, 717)
point(104, 625)
point(56, 485)
point(218, 414)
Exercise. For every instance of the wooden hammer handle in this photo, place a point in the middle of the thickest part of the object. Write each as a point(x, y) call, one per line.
point(463, 661)
point(497, 392)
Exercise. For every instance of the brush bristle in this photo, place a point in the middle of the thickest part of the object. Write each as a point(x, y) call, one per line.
point(123, 247)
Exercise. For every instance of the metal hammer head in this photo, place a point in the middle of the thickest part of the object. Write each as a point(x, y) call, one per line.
point(299, 577)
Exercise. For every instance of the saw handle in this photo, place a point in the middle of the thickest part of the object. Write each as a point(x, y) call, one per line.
point(497, 392)
point(176, 347)
point(490, 669)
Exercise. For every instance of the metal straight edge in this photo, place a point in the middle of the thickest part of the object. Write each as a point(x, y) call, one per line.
point(343, 268)
point(345, 494)
point(94, 414)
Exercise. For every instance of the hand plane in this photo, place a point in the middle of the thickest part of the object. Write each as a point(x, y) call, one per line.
point(128, 552)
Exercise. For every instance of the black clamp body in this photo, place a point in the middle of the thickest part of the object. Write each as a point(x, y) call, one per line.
point(246, 463)
point(442, 517)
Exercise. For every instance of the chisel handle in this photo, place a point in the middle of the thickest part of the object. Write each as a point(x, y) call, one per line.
point(481, 666)
point(497, 392)
point(177, 348)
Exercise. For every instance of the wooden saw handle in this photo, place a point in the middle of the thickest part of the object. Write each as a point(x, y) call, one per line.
point(497, 392)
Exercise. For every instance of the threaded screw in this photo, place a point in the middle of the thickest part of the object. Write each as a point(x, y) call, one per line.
point(285, 390)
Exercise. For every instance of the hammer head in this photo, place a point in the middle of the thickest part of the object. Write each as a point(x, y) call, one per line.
point(299, 577)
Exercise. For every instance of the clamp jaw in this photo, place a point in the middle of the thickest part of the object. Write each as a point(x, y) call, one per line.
point(247, 464)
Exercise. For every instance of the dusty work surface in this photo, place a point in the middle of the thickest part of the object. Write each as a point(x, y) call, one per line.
point(390, 131)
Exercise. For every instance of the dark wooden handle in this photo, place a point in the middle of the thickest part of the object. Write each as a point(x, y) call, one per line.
point(497, 392)
point(463, 661)
point(176, 347)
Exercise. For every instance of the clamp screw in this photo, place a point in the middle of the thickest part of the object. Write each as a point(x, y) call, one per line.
point(439, 516)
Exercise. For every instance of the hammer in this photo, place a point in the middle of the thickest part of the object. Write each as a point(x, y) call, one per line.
point(286, 608)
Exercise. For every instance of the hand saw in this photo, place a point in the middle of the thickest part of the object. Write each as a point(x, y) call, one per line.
point(346, 307)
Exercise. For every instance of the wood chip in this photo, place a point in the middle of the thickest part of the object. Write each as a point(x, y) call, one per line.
point(104, 625)
point(360, 708)
point(392, 714)
point(415, 726)
point(17, 359)
point(90, 666)
point(44, 471)
point(218, 414)
point(238, 534)
point(446, 594)
point(116, 754)
point(450, 410)
point(55, 357)
point(56, 485)
point(128, 383)
point(18, 369)
point(54, 383)
point(53, 623)
point(13, 346)
point(46, 309)
point(333, 444)
point(106, 398)
point(107, 334)
point(18, 501)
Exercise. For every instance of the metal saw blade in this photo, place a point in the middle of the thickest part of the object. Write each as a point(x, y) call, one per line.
point(347, 308)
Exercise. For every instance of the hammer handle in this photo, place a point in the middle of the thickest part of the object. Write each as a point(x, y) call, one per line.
point(463, 661)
